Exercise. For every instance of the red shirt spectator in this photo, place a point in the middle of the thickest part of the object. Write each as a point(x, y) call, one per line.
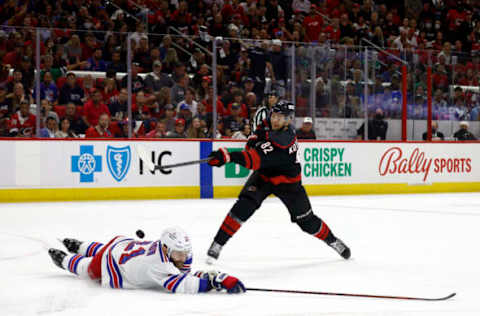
point(455, 18)
point(119, 129)
point(182, 17)
point(229, 10)
point(437, 44)
point(108, 95)
point(160, 131)
point(101, 130)
point(332, 5)
point(313, 25)
point(243, 110)
point(440, 80)
point(14, 58)
point(469, 79)
point(88, 86)
point(338, 11)
point(209, 108)
point(209, 105)
point(422, 53)
point(395, 17)
point(88, 48)
point(110, 90)
point(333, 33)
point(237, 98)
point(93, 132)
point(94, 108)
point(159, 17)
point(474, 64)
point(22, 122)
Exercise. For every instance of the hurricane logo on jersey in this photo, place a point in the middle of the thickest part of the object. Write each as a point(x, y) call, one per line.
point(118, 161)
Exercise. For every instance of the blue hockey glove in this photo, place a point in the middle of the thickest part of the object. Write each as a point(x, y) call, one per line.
point(219, 281)
point(229, 283)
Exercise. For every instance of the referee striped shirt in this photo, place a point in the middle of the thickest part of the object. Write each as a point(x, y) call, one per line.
point(262, 113)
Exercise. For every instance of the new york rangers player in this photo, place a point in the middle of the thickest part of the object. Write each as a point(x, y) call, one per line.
point(127, 263)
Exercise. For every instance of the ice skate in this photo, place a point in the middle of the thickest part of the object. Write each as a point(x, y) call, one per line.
point(213, 252)
point(57, 256)
point(341, 248)
point(71, 244)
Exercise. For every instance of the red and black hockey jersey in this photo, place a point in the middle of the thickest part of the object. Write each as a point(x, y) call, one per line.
point(272, 153)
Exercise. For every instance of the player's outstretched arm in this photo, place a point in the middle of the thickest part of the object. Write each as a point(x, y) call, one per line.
point(185, 283)
point(192, 283)
point(263, 155)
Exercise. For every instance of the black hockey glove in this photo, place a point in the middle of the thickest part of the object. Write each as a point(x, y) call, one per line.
point(219, 157)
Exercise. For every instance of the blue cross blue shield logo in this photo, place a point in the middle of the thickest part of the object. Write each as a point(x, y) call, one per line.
point(86, 163)
point(118, 161)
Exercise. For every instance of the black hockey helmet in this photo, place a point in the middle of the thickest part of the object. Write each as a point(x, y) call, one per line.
point(284, 107)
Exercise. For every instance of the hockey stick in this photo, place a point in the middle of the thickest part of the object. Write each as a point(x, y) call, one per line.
point(355, 295)
point(186, 163)
point(142, 153)
point(141, 234)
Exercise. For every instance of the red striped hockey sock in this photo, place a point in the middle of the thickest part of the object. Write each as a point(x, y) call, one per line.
point(71, 263)
point(229, 227)
point(89, 249)
point(324, 233)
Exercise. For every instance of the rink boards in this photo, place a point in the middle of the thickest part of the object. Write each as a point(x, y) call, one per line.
point(56, 170)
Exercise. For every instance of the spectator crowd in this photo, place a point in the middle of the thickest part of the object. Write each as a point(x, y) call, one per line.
point(171, 63)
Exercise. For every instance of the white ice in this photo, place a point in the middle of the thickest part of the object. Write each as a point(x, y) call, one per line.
point(406, 245)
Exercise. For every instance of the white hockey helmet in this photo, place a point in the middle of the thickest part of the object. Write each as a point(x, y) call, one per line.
point(176, 239)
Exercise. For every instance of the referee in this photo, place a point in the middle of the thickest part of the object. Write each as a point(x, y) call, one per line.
point(264, 111)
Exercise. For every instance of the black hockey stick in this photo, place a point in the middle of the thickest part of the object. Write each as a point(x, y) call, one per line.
point(142, 153)
point(355, 295)
point(186, 163)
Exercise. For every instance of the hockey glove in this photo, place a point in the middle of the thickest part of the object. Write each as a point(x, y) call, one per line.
point(219, 157)
point(229, 283)
point(219, 281)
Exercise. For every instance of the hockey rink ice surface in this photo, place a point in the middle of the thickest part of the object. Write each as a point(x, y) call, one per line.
point(423, 245)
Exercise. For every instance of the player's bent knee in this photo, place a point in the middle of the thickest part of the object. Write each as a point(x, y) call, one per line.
point(310, 224)
point(244, 208)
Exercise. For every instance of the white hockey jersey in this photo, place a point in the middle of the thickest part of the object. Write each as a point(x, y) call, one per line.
point(130, 264)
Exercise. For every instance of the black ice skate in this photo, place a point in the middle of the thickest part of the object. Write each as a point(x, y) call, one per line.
point(341, 248)
point(213, 252)
point(71, 244)
point(57, 256)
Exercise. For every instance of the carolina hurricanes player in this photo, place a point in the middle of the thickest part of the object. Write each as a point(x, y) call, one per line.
point(127, 263)
point(272, 153)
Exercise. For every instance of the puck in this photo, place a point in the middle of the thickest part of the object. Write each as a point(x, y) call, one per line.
point(140, 234)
